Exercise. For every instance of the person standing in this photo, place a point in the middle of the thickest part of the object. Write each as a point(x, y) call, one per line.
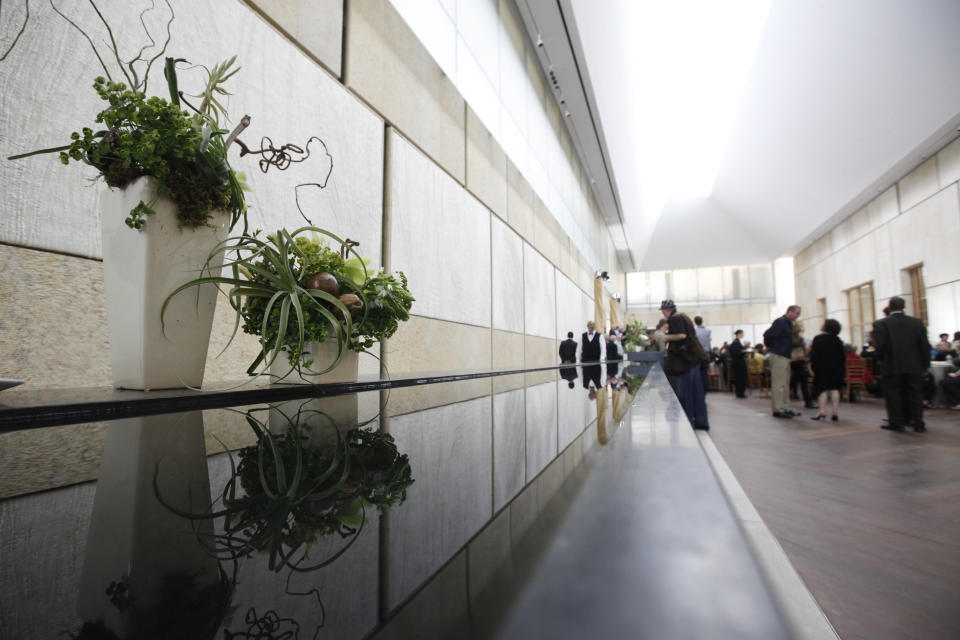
point(798, 368)
point(903, 352)
point(659, 334)
point(568, 349)
point(590, 344)
point(703, 337)
point(683, 346)
point(829, 363)
point(779, 339)
point(738, 363)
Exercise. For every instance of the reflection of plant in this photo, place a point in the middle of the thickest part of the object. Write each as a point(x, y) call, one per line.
point(288, 491)
point(295, 289)
point(633, 382)
point(140, 136)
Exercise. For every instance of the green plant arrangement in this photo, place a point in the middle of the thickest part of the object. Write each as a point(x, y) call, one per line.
point(313, 481)
point(136, 135)
point(309, 285)
point(634, 337)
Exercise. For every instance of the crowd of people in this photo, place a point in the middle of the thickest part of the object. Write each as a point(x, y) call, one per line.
point(895, 363)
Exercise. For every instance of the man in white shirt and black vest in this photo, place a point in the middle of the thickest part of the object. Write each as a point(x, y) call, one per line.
point(590, 344)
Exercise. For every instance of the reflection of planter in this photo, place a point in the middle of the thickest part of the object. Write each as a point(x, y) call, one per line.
point(323, 354)
point(140, 269)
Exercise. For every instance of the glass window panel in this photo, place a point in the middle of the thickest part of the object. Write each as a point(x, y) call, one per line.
point(658, 286)
point(761, 281)
point(685, 284)
point(710, 283)
point(730, 283)
point(637, 290)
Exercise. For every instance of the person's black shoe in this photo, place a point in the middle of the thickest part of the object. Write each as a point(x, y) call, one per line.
point(920, 429)
point(782, 414)
point(794, 413)
point(891, 427)
point(702, 427)
point(812, 405)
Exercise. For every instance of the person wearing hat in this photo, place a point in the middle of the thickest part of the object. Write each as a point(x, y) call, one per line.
point(683, 360)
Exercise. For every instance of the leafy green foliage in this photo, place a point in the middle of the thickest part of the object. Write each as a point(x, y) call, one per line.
point(152, 137)
point(290, 490)
point(268, 291)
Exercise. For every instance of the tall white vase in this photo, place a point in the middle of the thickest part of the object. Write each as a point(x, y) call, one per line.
point(323, 354)
point(140, 269)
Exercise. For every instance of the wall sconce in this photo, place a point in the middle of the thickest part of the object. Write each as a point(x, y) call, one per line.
point(603, 275)
point(616, 297)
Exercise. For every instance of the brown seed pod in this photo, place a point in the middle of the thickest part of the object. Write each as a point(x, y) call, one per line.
point(324, 282)
point(351, 302)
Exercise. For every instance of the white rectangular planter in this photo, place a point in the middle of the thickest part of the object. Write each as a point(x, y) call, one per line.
point(140, 269)
point(323, 354)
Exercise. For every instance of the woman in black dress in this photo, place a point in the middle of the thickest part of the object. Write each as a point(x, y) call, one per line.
point(738, 364)
point(828, 363)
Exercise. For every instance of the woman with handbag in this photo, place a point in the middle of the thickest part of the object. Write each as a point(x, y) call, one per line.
point(682, 364)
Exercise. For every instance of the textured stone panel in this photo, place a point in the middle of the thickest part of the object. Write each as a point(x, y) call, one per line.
point(36, 460)
point(930, 233)
point(450, 500)
point(919, 184)
point(41, 542)
point(47, 79)
point(488, 552)
point(507, 267)
point(387, 65)
point(509, 441)
point(439, 606)
point(439, 236)
point(524, 512)
point(541, 404)
point(53, 329)
point(316, 25)
point(569, 310)
point(884, 207)
point(539, 295)
point(507, 354)
point(486, 166)
point(571, 411)
point(539, 352)
point(948, 163)
point(428, 345)
point(519, 202)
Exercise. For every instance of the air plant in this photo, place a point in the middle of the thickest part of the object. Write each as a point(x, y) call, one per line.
point(290, 490)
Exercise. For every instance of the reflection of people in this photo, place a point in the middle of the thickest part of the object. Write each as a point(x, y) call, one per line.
point(828, 362)
point(591, 378)
point(682, 345)
point(739, 364)
point(904, 355)
point(568, 349)
point(590, 344)
point(570, 375)
point(779, 339)
point(612, 353)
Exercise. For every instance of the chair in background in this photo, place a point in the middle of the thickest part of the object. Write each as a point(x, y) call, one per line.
point(855, 376)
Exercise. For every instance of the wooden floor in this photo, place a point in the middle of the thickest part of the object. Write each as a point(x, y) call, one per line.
point(870, 518)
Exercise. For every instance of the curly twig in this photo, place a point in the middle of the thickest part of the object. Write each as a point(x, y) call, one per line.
point(23, 28)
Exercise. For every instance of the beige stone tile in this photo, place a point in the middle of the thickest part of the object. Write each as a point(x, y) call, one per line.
point(507, 280)
point(427, 345)
point(508, 353)
point(486, 166)
point(41, 459)
point(540, 352)
point(53, 333)
point(919, 184)
point(316, 25)
point(948, 163)
point(435, 221)
point(519, 203)
point(539, 294)
point(387, 65)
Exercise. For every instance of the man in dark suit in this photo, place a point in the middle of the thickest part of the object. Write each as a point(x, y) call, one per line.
point(590, 344)
point(568, 349)
point(903, 353)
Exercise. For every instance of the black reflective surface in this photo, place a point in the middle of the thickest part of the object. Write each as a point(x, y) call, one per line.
point(554, 505)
